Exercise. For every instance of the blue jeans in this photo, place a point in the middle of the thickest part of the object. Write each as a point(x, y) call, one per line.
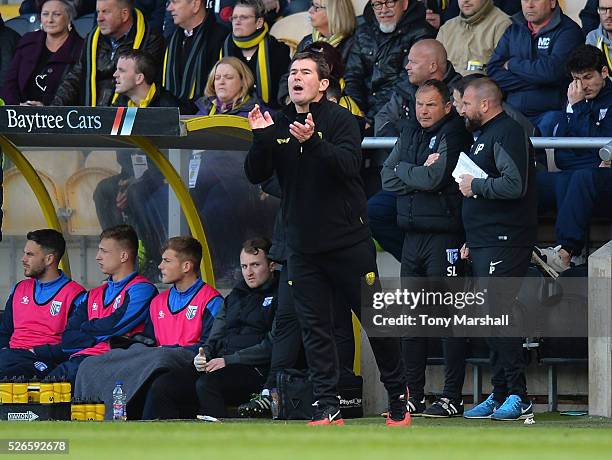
point(382, 213)
point(589, 192)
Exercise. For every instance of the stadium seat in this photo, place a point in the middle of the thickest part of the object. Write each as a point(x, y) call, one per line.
point(359, 6)
point(24, 23)
point(80, 187)
point(291, 29)
point(21, 210)
point(106, 159)
point(59, 165)
point(84, 24)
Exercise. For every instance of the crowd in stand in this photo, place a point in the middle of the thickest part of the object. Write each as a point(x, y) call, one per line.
point(472, 76)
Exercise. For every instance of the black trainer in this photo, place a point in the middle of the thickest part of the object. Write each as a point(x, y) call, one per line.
point(444, 408)
point(328, 415)
point(415, 407)
point(398, 414)
point(258, 407)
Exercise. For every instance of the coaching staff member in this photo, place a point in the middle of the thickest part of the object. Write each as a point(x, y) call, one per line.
point(313, 146)
point(500, 219)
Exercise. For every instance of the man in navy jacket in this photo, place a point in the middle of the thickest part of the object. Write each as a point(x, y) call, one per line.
point(528, 62)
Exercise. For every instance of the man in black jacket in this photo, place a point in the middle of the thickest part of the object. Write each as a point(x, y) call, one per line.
point(419, 171)
point(313, 146)
point(8, 41)
point(500, 220)
point(233, 363)
point(193, 49)
point(120, 27)
point(380, 50)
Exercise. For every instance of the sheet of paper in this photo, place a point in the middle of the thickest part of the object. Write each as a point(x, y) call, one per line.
point(465, 165)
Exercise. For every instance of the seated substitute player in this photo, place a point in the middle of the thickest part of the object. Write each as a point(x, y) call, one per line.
point(38, 309)
point(235, 360)
point(117, 308)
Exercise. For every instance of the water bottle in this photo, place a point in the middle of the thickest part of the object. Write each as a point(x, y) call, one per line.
point(119, 402)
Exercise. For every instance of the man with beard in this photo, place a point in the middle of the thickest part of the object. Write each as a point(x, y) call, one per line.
point(38, 309)
point(380, 49)
point(500, 220)
point(601, 37)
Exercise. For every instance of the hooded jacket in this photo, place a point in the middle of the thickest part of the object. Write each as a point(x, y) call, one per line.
point(377, 59)
point(535, 81)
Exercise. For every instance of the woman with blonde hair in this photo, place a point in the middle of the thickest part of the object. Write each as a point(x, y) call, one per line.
point(229, 89)
point(333, 22)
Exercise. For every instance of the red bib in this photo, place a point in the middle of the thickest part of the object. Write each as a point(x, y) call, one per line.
point(96, 310)
point(184, 327)
point(40, 324)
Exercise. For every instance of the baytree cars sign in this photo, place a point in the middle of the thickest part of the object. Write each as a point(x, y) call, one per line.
point(111, 121)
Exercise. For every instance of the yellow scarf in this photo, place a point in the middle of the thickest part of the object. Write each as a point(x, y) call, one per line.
point(334, 40)
point(140, 32)
point(147, 100)
point(606, 51)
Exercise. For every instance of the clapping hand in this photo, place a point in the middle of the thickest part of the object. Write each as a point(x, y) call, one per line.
point(302, 132)
point(257, 120)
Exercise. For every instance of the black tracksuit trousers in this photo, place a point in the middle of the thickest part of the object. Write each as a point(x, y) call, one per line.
point(314, 279)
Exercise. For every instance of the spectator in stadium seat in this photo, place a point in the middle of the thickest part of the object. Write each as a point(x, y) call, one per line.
point(234, 364)
point(471, 37)
point(332, 22)
point(589, 99)
point(38, 309)
point(8, 42)
point(527, 63)
point(192, 50)
point(427, 60)
point(120, 27)
point(380, 49)
point(43, 58)
point(589, 16)
point(135, 82)
point(419, 172)
point(601, 37)
point(251, 42)
point(229, 90)
point(591, 194)
point(117, 308)
point(439, 12)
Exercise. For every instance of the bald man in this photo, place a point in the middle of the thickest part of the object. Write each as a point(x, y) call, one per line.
point(427, 60)
point(500, 219)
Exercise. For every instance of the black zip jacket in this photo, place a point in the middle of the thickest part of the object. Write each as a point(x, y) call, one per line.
point(504, 212)
point(240, 331)
point(428, 196)
point(377, 59)
point(323, 203)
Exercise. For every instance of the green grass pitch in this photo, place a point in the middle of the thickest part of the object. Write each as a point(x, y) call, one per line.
point(551, 437)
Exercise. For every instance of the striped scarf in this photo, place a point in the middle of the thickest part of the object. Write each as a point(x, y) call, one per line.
point(259, 39)
point(193, 82)
point(334, 40)
point(92, 51)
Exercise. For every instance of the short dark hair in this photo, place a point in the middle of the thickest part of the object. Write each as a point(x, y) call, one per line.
point(318, 58)
point(50, 240)
point(144, 62)
point(334, 90)
point(461, 84)
point(187, 248)
point(332, 56)
point(585, 58)
point(257, 5)
point(124, 235)
point(126, 3)
point(254, 245)
point(439, 86)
